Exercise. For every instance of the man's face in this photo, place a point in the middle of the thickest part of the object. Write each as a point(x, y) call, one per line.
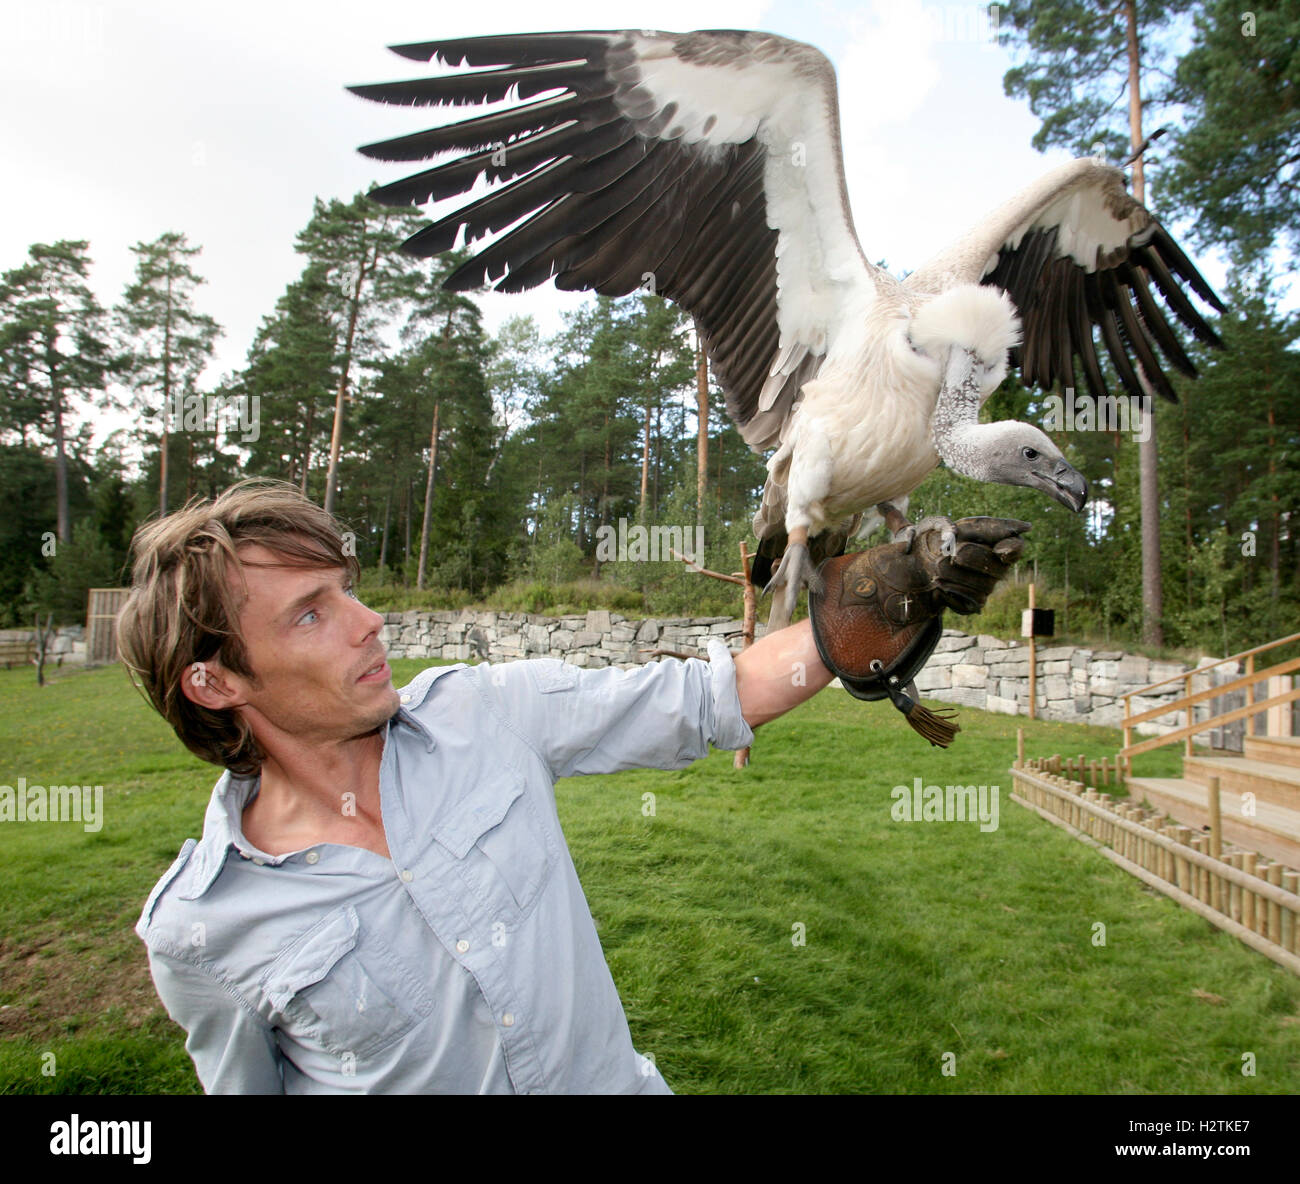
point(314, 648)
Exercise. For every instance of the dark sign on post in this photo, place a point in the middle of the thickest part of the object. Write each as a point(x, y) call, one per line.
point(1038, 622)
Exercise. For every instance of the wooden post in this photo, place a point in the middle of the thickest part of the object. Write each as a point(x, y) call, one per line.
point(1184, 836)
point(1216, 821)
point(1236, 904)
point(1033, 692)
point(1197, 844)
point(1290, 922)
point(741, 758)
point(1275, 909)
point(1187, 688)
point(1128, 739)
point(1246, 862)
point(1250, 694)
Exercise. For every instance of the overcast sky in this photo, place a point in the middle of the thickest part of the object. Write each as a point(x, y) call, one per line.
point(224, 121)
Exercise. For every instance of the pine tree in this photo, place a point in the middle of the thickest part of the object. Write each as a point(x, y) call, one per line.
point(1082, 58)
point(1233, 168)
point(53, 349)
point(293, 370)
point(165, 344)
point(358, 246)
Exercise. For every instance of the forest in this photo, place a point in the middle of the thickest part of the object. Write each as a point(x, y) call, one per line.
point(474, 468)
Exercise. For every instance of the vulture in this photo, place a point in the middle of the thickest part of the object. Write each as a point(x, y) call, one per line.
point(706, 167)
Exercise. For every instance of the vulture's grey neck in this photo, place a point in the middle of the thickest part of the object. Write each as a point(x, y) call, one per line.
point(959, 438)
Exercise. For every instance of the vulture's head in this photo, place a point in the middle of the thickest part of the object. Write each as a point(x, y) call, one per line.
point(1015, 453)
point(968, 331)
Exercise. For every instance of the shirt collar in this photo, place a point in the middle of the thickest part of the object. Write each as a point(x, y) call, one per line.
point(412, 697)
point(221, 824)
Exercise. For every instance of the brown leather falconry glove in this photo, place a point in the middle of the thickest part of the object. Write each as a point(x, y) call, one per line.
point(879, 614)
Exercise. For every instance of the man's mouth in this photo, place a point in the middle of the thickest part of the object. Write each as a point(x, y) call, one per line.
point(376, 672)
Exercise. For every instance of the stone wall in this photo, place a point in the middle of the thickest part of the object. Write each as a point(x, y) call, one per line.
point(1073, 684)
point(67, 645)
point(597, 638)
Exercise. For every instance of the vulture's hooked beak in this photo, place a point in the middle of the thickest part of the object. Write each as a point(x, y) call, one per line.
point(1066, 484)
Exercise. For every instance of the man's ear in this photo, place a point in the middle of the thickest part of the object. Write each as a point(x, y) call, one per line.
point(210, 685)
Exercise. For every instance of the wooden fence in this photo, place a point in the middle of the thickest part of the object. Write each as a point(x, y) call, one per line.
point(101, 619)
point(1243, 894)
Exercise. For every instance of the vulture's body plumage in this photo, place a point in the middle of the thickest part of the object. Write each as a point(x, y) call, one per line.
point(706, 167)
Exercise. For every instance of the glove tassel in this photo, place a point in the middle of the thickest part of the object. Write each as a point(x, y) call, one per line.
point(932, 725)
point(936, 727)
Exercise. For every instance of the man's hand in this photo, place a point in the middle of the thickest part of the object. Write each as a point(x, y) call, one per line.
point(880, 612)
point(913, 585)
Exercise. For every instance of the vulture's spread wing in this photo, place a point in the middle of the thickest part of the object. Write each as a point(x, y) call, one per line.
point(703, 166)
point(1076, 252)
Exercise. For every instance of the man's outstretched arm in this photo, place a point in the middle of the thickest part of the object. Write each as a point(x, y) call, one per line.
point(778, 672)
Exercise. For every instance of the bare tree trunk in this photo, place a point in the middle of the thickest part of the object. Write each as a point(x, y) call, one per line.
point(164, 475)
point(42, 646)
point(1187, 501)
point(1275, 551)
point(1152, 582)
point(604, 492)
point(702, 431)
point(406, 553)
point(428, 497)
point(336, 436)
point(645, 460)
point(64, 522)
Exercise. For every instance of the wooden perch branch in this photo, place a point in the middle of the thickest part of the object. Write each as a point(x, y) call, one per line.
point(751, 612)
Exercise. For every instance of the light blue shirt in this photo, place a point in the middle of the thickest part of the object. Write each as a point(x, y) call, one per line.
point(469, 961)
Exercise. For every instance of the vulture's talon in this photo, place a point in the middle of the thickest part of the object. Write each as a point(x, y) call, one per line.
point(793, 572)
point(947, 533)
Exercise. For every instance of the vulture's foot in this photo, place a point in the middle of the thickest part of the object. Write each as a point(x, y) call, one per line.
point(794, 572)
point(947, 537)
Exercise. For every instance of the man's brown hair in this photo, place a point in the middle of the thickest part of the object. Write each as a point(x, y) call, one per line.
point(183, 609)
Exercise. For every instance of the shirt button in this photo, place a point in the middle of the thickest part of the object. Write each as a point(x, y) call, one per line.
point(462, 946)
point(313, 856)
point(407, 875)
point(406, 698)
point(508, 1019)
point(259, 862)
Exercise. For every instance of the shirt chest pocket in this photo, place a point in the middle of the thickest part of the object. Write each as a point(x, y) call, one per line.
point(500, 848)
point(349, 993)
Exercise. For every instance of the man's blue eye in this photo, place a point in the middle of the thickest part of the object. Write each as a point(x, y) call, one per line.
point(309, 613)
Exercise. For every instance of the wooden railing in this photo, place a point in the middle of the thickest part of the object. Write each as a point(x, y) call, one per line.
point(1256, 900)
point(1188, 701)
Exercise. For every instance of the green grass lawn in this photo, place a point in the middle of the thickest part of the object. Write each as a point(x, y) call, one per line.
point(919, 940)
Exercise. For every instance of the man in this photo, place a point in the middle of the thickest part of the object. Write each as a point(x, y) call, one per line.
point(382, 900)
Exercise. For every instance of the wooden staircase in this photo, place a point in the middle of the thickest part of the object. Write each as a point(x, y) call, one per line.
point(1270, 769)
point(1258, 790)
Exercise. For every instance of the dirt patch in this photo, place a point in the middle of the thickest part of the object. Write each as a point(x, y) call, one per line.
point(54, 985)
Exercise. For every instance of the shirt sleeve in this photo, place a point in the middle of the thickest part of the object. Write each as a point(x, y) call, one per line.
point(234, 1050)
point(662, 715)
